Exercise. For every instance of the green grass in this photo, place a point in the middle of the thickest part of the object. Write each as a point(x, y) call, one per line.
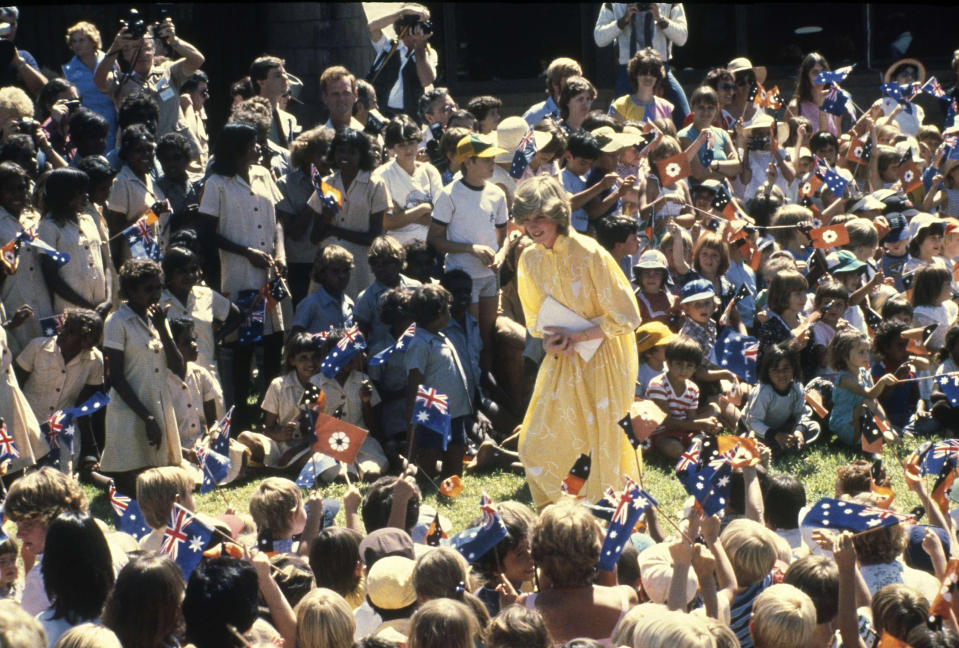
point(815, 467)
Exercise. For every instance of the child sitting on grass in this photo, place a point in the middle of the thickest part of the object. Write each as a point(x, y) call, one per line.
point(158, 489)
point(280, 515)
point(678, 396)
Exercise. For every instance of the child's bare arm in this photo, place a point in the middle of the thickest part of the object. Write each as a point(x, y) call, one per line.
point(850, 384)
point(314, 516)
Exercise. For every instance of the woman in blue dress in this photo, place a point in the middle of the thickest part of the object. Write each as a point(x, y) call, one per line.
point(84, 39)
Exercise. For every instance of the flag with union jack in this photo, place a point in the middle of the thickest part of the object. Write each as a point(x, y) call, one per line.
point(523, 155)
point(431, 412)
point(737, 353)
point(932, 87)
point(838, 102)
point(185, 539)
point(8, 448)
point(833, 76)
point(630, 504)
point(10, 252)
point(400, 344)
point(475, 542)
point(220, 434)
point(939, 455)
point(213, 465)
point(252, 307)
point(127, 516)
point(50, 326)
point(141, 239)
point(345, 350)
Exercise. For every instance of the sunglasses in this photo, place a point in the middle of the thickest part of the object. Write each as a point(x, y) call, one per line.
point(727, 86)
point(746, 81)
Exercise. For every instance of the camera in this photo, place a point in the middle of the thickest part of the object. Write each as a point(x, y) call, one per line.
point(134, 23)
point(5, 29)
point(643, 6)
point(412, 22)
point(375, 124)
point(26, 125)
point(758, 142)
point(72, 106)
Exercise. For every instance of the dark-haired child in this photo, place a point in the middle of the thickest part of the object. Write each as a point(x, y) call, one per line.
point(509, 563)
point(213, 315)
point(178, 185)
point(386, 258)
point(650, 273)
point(775, 405)
point(282, 440)
point(328, 306)
point(831, 302)
point(421, 262)
point(63, 370)
point(678, 396)
point(582, 151)
point(432, 361)
point(897, 309)
point(9, 572)
point(784, 496)
point(350, 396)
point(932, 303)
point(390, 377)
point(196, 395)
point(365, 200)
point(948, 356)
point(902, 402)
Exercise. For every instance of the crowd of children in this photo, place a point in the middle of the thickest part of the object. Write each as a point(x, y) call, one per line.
point(362, 301)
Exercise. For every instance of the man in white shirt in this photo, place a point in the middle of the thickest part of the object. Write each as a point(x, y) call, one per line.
point(659, 25)
point(406, 65)
point(338, 90)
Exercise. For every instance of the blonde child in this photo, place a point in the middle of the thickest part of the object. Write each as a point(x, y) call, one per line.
point(751, 549)
point(283, 441)
point(158, 489)
point(279, 513)
point(351, 397)
point(678, 396)
point(783, 617)
point(651, 341)
point(854, 392)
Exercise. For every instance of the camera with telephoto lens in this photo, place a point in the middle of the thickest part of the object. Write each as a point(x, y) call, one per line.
point(72, 105)
point(758, 142)
point(643, 6)
point(26, 125)
point(134, 23)
point(412, 22)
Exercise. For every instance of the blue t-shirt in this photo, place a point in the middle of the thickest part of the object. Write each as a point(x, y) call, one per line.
point(574, 184)
point(720, 139)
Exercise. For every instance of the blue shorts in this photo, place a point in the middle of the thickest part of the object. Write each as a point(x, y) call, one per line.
point(428, 439)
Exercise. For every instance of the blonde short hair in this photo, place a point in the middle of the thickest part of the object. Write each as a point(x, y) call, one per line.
point(566, 543)
point(559, 69)
point(625, 630)
point(273, 502)
point(14, 103)
point(673, 629)
point(439, 572)
point(542, 194)
point(157, 490)
point(324, 620)
point(751, 550)
point(328, 255)
point(783, 617)
point(87, 28)
point(19, 629)
point(88, 635)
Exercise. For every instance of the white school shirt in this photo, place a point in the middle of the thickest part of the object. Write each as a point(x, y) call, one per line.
point(471, 216)
point(408, 191)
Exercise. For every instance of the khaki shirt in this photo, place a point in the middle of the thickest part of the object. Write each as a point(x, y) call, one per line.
point(204, 306)
point(132, 196)
point(84, 272)
point(346, 396)
point(246, 216)
point(189, 395)
point(26, 285)
point(54, 384)
point(144, 367)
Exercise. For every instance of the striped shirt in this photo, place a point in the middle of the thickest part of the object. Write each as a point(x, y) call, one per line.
point(741, 610)
point(681, 406)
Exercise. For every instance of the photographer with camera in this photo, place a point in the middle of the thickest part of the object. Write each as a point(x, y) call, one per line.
point(32, 150)
point(57, 101)
point(637, 25)
point(405, 66)
point(160, 81)
point(22, 66)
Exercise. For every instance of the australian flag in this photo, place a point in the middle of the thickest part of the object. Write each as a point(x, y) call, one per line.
point(318, 463)
point(399, 345)
point(345, 350)
point(220, 437)
point(59, 428)
point(951, 111)
point(127, 516)
point(632, 502)
point(524, 154)
point(214, 466)
point(932, 87)
point(8, 449)
point(50, 326)
point(835, 182)
point(949, 384)
point(431, 411)
point(833, 76)
point(737, 353)
point(902, 94)
point(838, 102)
point(185, 539)
point(143, 245)
point(940, 455)
point(253, 308)
point(839, 514)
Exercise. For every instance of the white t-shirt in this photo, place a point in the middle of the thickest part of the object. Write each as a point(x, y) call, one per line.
point(408, 191)
point(471, 216)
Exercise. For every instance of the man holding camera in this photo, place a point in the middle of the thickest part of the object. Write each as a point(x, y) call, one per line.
point(160, 81)
point(405, 66)
point(22, 66)
point(636, 25)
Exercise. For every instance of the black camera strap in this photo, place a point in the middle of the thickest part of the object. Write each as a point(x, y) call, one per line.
point(384, 59)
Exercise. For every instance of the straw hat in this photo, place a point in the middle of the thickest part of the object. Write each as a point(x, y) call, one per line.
point(762, 121)
point(920, 69)
point(510, 133)
point(742, 63)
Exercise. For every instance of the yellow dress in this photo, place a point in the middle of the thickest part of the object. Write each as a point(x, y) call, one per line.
point(576, 405)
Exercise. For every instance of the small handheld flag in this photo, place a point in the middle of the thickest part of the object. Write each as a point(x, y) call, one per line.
point(578, 474)
point(833, 76)
point(631, 504)
point(843, 515)
point(431, 411)
point(673, 169)
point(185, 539)
point(475, 542)
point(399, 345)
point(829, 237)
point(127, 516)
point(338, 439)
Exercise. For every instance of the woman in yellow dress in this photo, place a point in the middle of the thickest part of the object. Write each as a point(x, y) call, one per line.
point(576, 404)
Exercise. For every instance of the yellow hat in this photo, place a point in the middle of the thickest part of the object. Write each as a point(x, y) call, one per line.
point(474, 145)
point(653, 334)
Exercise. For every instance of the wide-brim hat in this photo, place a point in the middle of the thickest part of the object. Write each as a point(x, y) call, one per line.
point(843, 261)
point(923, 221)
point(652, 260)
point(509, 136)
point(741, 64)
point(920, 69)
point(612, 142)
point(389, 583)
point(763, 121)
point(653, 334)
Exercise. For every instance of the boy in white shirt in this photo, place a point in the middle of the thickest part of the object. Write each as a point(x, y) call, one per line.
point(469, 226)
